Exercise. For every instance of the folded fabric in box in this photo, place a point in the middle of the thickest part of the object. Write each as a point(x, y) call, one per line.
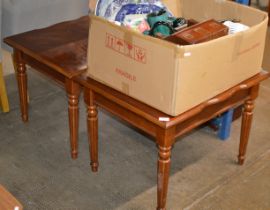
point(136, 22)
point(235, 27)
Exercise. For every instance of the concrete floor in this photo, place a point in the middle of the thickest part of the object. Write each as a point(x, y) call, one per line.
point(36, 168)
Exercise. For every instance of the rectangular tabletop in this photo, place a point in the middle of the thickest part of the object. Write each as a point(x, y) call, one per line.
point(131, 109)
point(62, 47)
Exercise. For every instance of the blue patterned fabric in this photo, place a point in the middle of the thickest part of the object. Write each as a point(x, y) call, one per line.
point(116, 10)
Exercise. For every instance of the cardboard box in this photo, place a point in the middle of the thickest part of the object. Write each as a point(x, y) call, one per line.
point(175, 78)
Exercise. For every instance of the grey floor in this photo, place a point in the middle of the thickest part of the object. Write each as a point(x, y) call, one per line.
point(35, 165)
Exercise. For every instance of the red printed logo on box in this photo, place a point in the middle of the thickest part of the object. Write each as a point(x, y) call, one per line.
point(126, 74)
point(125, 48)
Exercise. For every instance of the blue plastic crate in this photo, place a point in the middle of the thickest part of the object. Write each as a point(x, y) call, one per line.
point(246, 2)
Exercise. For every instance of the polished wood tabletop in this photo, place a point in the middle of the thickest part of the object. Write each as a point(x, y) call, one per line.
point(62, 46)
point(59, 52)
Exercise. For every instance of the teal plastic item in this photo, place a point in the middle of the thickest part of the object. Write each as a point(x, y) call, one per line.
point(155, 17)
point(160, 23)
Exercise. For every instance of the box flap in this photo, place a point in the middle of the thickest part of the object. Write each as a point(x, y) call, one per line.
point(221, 9)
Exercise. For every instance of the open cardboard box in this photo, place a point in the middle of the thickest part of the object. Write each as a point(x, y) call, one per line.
point(173, 78)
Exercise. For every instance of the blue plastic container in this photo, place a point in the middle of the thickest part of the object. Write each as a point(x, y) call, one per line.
point(243, 2)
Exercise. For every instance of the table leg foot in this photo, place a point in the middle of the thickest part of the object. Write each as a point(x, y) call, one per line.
point(74, 155)
point(24, 118)
point(241, 160)
point(94, 167)
point(245, 130)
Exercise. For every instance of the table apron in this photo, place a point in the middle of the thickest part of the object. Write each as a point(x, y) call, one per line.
point(212, 111)
point(181, 128)
point(126, 115)
point(44, 69)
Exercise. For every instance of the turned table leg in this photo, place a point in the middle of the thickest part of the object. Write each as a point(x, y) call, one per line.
point(163, 167)
point(73, 92)
point(92, 125)
point(246, 123)
point(245, 129)
point(22, 84)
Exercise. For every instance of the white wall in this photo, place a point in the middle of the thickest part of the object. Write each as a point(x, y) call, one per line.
point(24, 15)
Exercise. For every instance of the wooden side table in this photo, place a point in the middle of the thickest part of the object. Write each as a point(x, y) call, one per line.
point(165, 129)
point(8, 201)
point(59, 52)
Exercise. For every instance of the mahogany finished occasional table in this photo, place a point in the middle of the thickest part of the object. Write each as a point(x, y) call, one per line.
point(148, 119)
point(58, 51)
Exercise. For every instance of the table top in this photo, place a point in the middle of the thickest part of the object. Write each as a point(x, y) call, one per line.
point(62, 46)
point(153, 115)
